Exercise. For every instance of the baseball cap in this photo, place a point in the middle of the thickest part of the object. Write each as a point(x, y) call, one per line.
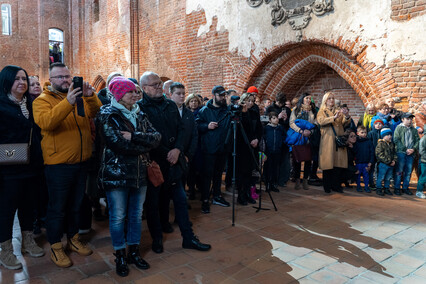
point(407, 115)
point(218, 90)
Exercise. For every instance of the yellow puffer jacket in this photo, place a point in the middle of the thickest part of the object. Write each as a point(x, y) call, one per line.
point(66, 135)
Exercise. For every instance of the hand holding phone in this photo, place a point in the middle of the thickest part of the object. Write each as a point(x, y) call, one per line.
point(78, 83)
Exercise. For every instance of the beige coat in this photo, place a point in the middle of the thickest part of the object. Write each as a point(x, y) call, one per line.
point(329, 158)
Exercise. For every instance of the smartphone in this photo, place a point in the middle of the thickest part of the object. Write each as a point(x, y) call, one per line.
point(78, 83)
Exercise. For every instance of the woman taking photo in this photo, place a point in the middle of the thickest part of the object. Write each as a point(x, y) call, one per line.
point(332, 159)
point(244, 159)
point(304, 110)
point(127, 135)
point(17, 180)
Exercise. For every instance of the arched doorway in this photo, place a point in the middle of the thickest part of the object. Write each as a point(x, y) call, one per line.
point(316, 67)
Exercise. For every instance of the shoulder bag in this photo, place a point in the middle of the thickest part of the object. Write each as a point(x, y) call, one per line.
point(16, 153)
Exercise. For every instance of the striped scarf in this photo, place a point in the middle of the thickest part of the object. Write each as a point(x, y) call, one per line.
point(22, 104)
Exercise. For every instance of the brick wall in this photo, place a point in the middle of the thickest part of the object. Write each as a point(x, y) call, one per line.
point(329, 80)
point(28, 45)
point(407, 9)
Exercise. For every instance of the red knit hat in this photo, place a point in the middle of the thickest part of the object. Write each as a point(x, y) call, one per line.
point(119, 86)
point(379, 120)
point(252, 90)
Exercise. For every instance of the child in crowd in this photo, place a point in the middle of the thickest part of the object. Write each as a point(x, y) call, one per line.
point(364, 158)
point(374, 136)
point(274, 136)
point(406, 140)
point(386, 159)
point(422, 179)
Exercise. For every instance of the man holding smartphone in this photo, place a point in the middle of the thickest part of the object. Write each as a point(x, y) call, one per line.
point(66, 146)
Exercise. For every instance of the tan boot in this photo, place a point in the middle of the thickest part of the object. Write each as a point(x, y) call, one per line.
point(30, 246)
point(7, 258)
point(305, 184)
point(58, 256)
point(297, 184)
point(74, 244)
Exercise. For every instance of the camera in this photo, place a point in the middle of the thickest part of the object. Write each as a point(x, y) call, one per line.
point(78, 83)
point(236, 109)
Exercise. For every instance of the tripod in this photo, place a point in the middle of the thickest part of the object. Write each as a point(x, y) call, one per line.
point(260, 189)
point(235, 120)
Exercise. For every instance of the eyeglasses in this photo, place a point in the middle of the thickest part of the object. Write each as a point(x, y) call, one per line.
point(155, 85)
point(61, 77)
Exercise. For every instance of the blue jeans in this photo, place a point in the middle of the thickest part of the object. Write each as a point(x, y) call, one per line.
point(178, 195)
point(384, 173)
point(66, 184)
point(122, 203)
point(365, 175)
point(422, 179)
point(403, 166)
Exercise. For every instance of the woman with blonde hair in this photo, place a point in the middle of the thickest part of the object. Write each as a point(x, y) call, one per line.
point(370, 112)
point(193, 103)
point(332, 159)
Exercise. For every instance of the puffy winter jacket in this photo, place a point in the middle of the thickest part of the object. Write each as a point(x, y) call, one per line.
point(122, 165)
point(385, 152)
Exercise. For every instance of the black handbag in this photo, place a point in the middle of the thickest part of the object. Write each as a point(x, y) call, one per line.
point(340, 140)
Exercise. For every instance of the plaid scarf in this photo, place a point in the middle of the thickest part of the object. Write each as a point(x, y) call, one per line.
point(22, 104)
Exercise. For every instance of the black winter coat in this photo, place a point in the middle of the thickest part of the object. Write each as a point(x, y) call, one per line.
point(15, 128)
point(165, 118)
point(191, 133)
point(213, 141)
point(122, 165)
point(364, 151)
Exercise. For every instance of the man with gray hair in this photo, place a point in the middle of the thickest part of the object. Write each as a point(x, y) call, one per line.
point(166, 88)
point(165, 118)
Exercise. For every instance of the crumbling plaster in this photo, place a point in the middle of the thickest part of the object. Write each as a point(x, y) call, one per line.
point(365, 21)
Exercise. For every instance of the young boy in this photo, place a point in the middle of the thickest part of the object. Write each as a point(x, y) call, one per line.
point(422, 179)
point(364, 158)
point(274, 136)
point(374, 136)
point(386, 159)
point(406, 141)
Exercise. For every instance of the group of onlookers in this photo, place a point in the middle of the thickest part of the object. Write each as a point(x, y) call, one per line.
point(112, 140)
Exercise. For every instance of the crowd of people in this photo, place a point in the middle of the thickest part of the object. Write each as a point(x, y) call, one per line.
point(83, 146)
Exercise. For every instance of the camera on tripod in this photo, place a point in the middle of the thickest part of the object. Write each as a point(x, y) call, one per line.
point(236, 110)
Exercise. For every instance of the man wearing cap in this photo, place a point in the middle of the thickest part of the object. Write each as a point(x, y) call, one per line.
point(253, 90)
point(406, 140)
point(165, 118)
point(213, 124)
point(64, 119)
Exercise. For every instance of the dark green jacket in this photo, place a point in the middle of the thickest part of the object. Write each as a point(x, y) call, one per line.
point(385, 152)
point(398, 138)
point(422, 150)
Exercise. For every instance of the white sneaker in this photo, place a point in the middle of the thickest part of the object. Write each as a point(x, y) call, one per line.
point(421, 195)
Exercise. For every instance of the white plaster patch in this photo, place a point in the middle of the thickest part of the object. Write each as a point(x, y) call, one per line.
point(369, 20)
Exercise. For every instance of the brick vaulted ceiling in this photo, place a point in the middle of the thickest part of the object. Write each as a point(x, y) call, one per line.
point(302, 77)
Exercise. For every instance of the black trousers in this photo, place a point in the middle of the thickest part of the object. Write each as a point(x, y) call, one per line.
point(297, 169)
point(214, 165)
point(272, 167)
point(16, 194)
point(332, 179)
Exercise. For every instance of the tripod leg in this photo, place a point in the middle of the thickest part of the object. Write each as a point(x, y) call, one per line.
point(270, 196)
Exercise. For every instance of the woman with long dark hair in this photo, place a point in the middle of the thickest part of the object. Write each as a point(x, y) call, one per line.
point(304, 110)
point(17, 180)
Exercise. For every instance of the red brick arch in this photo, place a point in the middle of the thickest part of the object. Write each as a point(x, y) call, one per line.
point(280, 66)
point(98, 83)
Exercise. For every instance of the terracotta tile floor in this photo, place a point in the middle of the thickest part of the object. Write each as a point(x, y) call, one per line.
point(313, 238)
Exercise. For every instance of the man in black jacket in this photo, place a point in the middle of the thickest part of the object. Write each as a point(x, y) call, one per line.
point(213, 124)
point(164, 116)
